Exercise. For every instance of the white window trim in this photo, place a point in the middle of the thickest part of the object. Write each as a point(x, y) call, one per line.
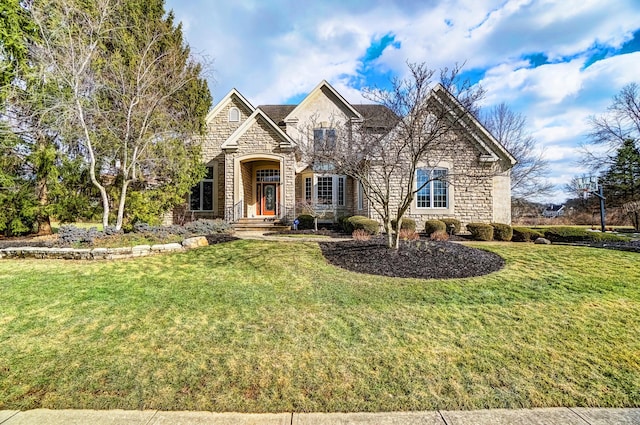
point(234, 118)
point(336, 178)
point(214, 191)
point(450, 208)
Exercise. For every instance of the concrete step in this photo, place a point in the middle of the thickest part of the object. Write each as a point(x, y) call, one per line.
point(259, 225)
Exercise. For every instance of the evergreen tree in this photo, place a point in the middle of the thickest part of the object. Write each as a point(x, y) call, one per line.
point(622, 180)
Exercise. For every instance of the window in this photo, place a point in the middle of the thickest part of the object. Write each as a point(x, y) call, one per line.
point(201, 196)
point(329, 190)
point(308, 189)
point(433, 188)
point(268, 176)
point(324, 190)
point(360, 196)
point(324, 139)
point(234, 115)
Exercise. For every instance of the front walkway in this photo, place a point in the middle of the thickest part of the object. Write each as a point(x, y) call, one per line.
point(560, 415)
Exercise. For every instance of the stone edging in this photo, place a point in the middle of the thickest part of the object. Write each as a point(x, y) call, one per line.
point(101, 253)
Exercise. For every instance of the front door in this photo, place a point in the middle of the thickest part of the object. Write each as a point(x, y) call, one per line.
point(269, 199)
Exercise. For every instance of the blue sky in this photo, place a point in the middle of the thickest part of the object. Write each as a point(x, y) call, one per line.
point(557, 62)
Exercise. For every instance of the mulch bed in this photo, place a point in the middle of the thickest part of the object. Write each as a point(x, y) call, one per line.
point(419, 259)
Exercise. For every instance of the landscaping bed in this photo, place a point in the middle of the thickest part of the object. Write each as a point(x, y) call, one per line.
point(415, 259)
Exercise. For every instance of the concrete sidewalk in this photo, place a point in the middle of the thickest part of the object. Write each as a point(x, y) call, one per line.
point(561, 415)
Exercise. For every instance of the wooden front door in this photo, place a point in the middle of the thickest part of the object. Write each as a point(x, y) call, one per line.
point(268, 199)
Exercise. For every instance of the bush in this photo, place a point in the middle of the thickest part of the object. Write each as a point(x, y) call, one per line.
point(525, 234)
point(207, 227)
point(481, 231)
point(576, 234)
point(407, 224)
point(360, 222)
point(502, 232)
point(452, 223)
point(71, 235)
point(409, 235)
point(343, 224)
point(361, 235)
point(431, 226)
point(306, 222)
point(439, 235)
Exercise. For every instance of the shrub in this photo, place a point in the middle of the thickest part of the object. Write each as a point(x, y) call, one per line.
point(502, 232)
point(575, 234)
point(525, 234)
point(407, 224)
point(480, 231)
point(409, 235)
point(306, 222)
point(71, 235)
point(343, 223)
point(452, 223)
point(361, 235)
point(360, 222)
point(439, 235)
point(207, 227)
point(431, 226)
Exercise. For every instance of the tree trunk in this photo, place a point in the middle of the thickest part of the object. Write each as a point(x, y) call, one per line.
point(123, 197)
point(42, 191)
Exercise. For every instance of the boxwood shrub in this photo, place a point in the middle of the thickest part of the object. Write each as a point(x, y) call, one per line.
point(525, 234)
point(360, 222)
point(306, 222)
point(432, 226)
point(480, 231)
point(407, 224)
point(452, 222)
point(502, 232)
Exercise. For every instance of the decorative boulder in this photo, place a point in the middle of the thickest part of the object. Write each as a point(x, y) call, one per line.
point(542, 241)
point(195, 242)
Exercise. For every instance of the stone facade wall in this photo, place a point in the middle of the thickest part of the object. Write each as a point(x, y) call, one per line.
point(472, 197)
point(260, 143)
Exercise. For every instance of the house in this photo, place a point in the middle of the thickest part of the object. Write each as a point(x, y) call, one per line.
point(553, 210)
point(255, 171)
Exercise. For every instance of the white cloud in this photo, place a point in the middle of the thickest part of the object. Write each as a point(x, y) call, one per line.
point(272, 51)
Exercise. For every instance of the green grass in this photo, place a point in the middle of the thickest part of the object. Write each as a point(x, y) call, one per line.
point(258, 326)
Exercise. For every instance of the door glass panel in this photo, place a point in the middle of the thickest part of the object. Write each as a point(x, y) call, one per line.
point(270, 197)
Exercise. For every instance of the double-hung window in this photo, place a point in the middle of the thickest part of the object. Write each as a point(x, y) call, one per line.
point(324, 139)
point(201, 196)
point(432, 188)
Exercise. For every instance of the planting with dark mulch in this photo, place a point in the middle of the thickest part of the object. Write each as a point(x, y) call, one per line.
point(418, 259)
point(215, 238)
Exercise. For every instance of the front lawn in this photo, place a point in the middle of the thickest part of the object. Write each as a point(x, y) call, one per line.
point(258, 326)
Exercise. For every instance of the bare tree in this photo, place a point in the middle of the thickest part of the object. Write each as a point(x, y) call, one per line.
point(609, 131)
point(529, 175)
point(122, 91)
point(384, 151)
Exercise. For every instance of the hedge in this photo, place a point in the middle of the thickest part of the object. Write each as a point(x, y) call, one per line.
point(306, 221)
point(457, 226)
point(576, 234)
point(481, 231)
point(360, 222)
point(432, 226)
point(502, 232)
point(407, 223)
point(525, 234)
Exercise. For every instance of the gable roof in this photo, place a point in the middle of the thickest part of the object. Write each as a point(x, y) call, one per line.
point(479, 134)
point(225, 101)
point(323, 85)
point(232, 142)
